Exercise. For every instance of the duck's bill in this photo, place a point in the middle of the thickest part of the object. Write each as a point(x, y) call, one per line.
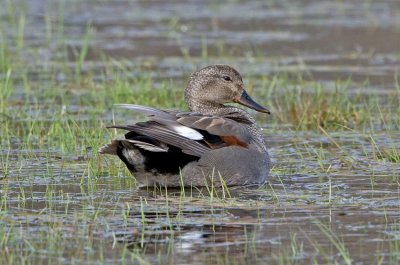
point(247, 101)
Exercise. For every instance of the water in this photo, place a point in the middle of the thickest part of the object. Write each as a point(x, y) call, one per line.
point(325, 202)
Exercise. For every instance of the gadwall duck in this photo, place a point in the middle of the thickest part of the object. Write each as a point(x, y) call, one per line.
point(212, 144)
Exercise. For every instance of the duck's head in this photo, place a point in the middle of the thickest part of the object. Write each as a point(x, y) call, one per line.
point(215, 85)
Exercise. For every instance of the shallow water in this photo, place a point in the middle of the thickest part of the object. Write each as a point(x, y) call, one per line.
point(325, 202)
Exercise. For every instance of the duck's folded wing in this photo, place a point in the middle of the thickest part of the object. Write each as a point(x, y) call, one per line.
point(197, 132)
point(170, 137)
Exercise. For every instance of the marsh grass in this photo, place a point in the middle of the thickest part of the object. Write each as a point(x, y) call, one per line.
point(312, 105)
point(4, 55)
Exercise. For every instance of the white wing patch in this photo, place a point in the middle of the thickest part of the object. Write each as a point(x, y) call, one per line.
point(147, 146)
point(187, 132)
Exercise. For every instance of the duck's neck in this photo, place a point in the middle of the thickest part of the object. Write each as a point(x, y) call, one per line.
point(205, 107)
point(212, 108)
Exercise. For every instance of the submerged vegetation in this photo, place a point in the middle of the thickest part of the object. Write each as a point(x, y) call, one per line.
point(335, 147)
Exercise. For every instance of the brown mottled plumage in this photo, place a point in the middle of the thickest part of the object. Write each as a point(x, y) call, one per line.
point(211, 144)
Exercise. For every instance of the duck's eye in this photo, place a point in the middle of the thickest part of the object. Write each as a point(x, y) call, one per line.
point(227, 78)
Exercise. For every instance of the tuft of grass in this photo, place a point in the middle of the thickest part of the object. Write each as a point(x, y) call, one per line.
point(310, 108)
point(312, 105)
point(83, 50)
